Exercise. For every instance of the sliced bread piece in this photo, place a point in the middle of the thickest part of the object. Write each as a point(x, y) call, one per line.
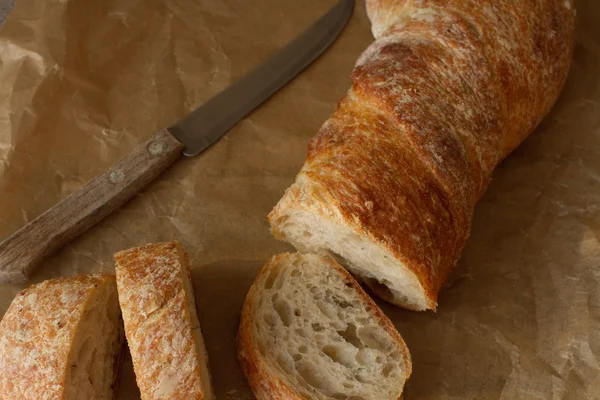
point(309, 331)
point(62, 340)
point(161, 324)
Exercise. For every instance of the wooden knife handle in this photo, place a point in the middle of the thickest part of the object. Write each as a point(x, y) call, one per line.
point(23, 251)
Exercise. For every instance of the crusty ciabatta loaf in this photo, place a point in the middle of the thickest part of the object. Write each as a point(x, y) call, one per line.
point(309, 331)
point(447, 90)
point(62, 340)
point(161, 324)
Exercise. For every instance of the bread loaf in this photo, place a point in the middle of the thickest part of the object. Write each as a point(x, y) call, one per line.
point(445, 92)
point(161, 324)
point(309, 331)
point(62, 340)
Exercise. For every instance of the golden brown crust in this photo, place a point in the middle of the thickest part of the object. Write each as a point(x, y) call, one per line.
point(36, 336)
point(411, 214)
point(448, 89)
point(263, 381)
point(158, 326)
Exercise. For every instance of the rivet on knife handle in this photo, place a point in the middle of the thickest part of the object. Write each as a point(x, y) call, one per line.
point(23, 251)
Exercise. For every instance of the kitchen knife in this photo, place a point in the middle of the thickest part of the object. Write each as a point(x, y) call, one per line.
point(24, 250)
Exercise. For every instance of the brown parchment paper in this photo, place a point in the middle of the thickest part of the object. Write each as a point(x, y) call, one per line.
point(82, 82)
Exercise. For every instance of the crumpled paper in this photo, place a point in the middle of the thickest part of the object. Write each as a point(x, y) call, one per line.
point(83, 82)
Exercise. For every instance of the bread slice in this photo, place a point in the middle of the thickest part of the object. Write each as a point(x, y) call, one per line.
point(62, 340)
point(309, 331)
point(161, 324)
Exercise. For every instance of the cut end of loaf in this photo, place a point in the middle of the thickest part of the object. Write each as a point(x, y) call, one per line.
point(305, 218)
point(62, 338)
point(96, 349)
point(308, 331)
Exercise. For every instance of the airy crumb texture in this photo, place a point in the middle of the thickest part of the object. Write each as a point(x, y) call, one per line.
point(309, 331)
point(161, 324)
point(62, 340)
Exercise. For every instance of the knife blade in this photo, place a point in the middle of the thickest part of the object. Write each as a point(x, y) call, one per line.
point(22, 252)
point(209, 122)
